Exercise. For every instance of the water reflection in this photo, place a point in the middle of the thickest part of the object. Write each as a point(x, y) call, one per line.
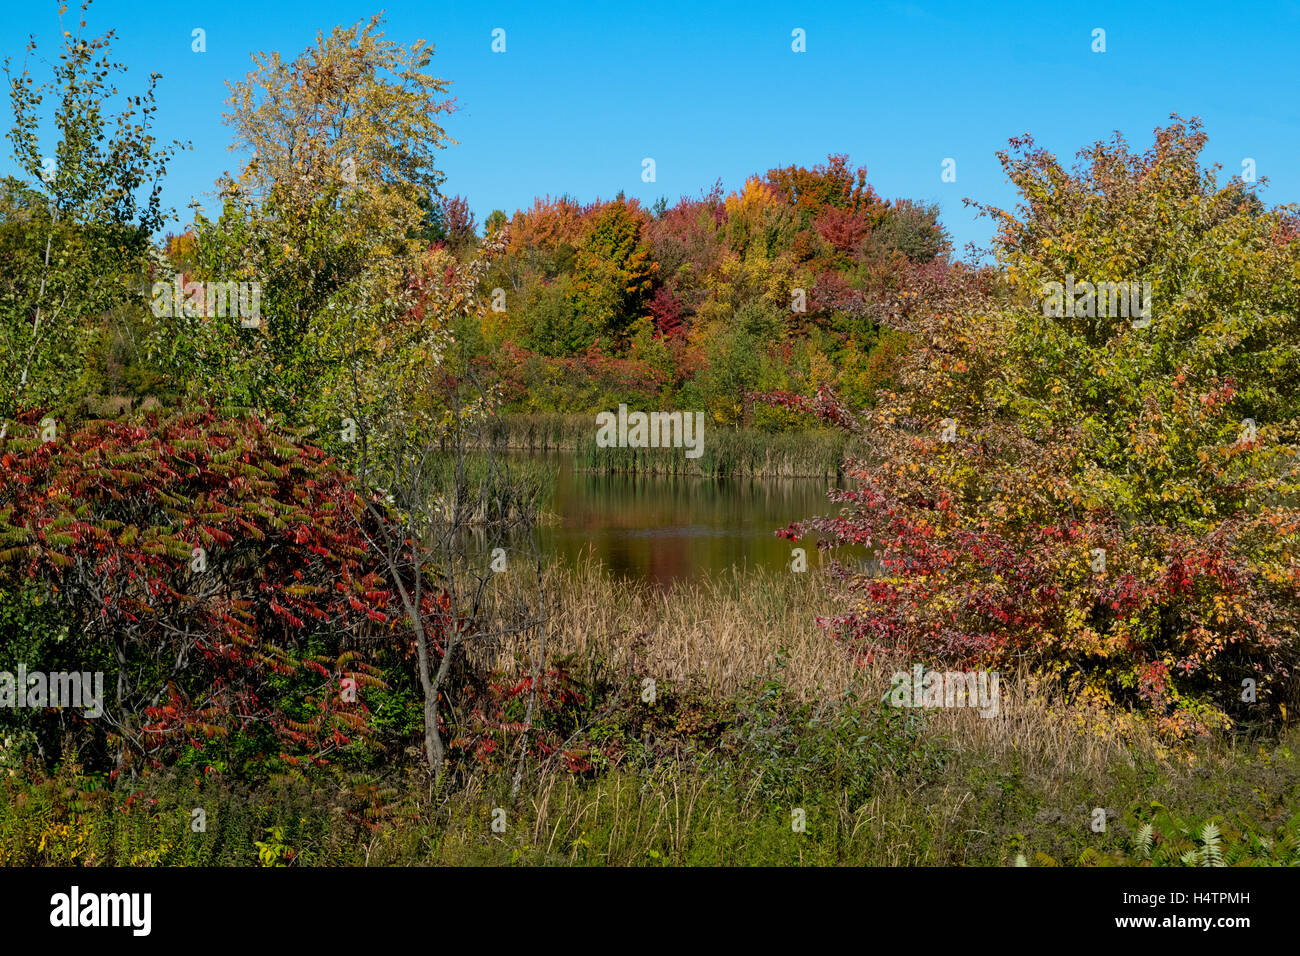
point(663, 529)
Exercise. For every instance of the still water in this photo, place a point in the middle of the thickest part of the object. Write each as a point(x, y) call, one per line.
point(663, 528)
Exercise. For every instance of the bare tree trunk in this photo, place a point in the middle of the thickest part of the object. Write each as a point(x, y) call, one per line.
point(434, 749)
point(36, 332)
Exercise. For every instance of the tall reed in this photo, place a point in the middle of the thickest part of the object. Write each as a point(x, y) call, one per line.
point(731, 452)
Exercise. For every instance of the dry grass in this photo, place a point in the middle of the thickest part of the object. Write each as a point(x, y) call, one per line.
point(1028, 778)
point(716, 634)
point(723, 633)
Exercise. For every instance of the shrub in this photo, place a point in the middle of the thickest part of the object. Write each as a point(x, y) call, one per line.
point(216, 568)
point(1087, 495)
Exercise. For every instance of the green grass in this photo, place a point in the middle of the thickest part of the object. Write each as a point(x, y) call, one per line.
point(699, 782)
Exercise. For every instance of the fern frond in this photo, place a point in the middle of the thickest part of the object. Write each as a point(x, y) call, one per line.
point(1144, 837)
point(1211, 845)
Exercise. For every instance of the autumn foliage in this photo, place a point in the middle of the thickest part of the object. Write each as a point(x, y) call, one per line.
point(767, 287)
point(215, 564)
point(1110, 504)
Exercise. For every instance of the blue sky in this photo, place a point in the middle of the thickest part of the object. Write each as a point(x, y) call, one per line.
point(584, 92)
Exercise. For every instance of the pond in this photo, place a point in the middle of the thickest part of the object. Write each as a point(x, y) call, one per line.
point(664, 528)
